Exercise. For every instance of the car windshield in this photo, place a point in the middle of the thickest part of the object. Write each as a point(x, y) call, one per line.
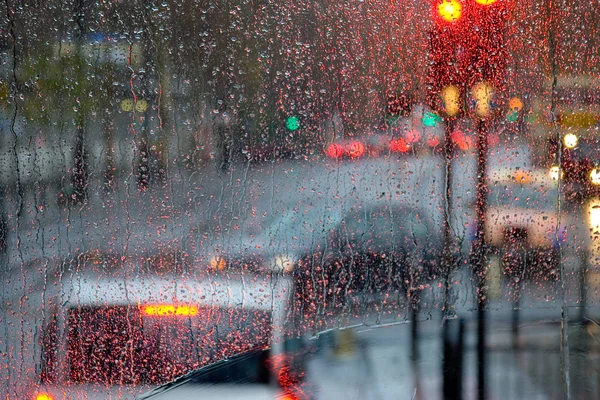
point(268, 199)
point(387, 221)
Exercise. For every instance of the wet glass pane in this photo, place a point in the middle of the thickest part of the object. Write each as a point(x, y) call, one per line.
point(299, 200)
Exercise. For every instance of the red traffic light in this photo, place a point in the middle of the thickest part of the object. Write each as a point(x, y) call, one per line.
point(450, 10)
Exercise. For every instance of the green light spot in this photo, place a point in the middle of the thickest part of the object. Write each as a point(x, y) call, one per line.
point(292, 123)
point(431, 119)
point(512, 116)
point(531, 118)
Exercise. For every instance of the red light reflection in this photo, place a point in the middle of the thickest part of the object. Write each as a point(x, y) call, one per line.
point(412, 136)
point(290, 379)
point(335, 150)
point(433, 141)
point(355, 149)
point(399, 145)
point(493, 140)
point(463, 141)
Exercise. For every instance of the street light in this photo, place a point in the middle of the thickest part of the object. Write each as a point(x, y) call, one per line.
point(570, 140)
point(482, 94)
point(451, 100)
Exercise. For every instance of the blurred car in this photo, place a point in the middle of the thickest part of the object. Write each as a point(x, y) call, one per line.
point(271, 245)
point(397, 141)
point(574, 120)
point(522, 222)
point(119, 337)
point(373, 250)
point(372, 145)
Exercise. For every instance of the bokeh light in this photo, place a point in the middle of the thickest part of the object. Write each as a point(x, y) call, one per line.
point(450, 10)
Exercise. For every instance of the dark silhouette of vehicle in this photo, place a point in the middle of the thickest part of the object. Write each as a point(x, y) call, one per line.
point(373, 251)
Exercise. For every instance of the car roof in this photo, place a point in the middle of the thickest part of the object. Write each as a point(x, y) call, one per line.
point(397, 210)
point(266, 292)
point(523, 177)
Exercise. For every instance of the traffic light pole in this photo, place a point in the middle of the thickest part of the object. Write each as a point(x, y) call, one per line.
point(452, 365)
point(448, 207)
point(479, 255)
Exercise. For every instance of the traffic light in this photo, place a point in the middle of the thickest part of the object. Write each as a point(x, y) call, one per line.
point(515, 105)
point(449, 10)
point(468, 57)
point(482, 94)
point(485, 55)
point(451, 100)
point(292, 123)
point(430, 119)
point(445, 45)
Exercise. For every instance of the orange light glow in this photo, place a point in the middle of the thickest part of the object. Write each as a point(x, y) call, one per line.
point(483, 94)
point(287, 396)
point(218, 263)
point(450, 10)
point(399, 145)
point(466, 144)
point(485, 2)
point(356, 149)
point(335, 150)
point(515, 104)
point(522, 177)
point(43, 396)
point(166, 310)
point(451, 98)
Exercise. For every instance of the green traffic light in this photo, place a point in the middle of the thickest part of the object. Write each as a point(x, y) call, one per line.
point(513, 116)
point(431, 119)
point(292, 123)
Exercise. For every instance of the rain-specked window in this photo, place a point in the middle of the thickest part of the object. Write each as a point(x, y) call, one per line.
point(263, 199)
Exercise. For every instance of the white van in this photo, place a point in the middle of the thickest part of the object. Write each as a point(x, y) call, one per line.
point(120, 337)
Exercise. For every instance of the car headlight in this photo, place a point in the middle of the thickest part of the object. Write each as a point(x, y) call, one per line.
point(283, 263)
point(218, 263)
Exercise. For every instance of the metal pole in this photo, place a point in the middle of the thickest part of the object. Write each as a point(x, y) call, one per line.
point(582, 286)
point(516, 315)
point(451, 386)
point(452, 362)
point(480, 255)
point(448, 207)
point(414, 334)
